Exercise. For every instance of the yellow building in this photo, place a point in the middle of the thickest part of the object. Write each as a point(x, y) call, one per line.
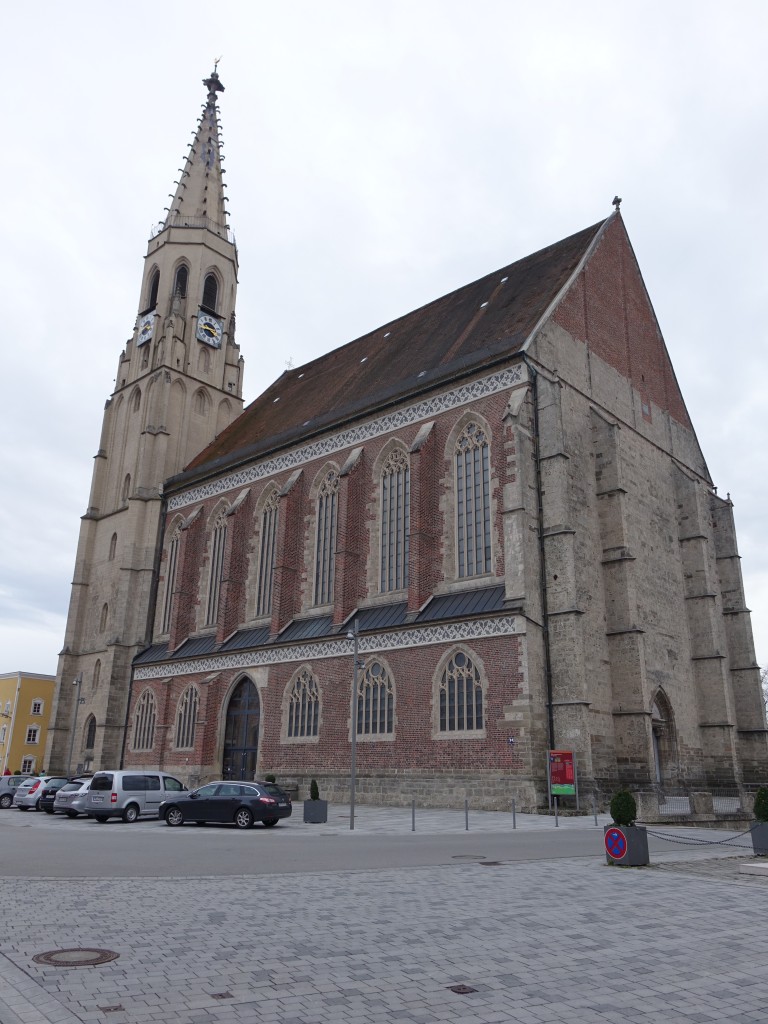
point(25, 710)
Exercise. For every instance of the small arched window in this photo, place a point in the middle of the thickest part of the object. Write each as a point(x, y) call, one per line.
point(96, 675)
point(126, 488)
point(90, 733)
point(104, 618)
point(201, 403)
point(154, 286)
point(136, 400)
point(210, 293)
point(180, 285)
point(112, 547)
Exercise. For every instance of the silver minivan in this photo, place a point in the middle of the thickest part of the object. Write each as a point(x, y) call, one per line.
point(128, 795)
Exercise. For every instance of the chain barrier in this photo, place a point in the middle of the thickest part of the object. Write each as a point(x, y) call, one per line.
point(693, 841)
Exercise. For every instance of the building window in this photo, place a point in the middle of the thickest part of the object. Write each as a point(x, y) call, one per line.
point(37, 706)
point(90, 732)
point(180, 287)
point(33, 734)
point(154, 287)
point(186, 719)
point(7, 707)
point(473, 502)
point(170, 581)
point(204, 360)
point(136, 400)
point(461, 696)
point(201, 403)
point(144, 722)
point(126, 488)
point(210, 293)
point(375, 701)
point(104, 618)
point(304, 706)
point(218, 540)
point(267, 552)
point(112, 547)
point(28, 765)
point(3, 729)
point(395, 521)
point(96, 675)
point(325, 548)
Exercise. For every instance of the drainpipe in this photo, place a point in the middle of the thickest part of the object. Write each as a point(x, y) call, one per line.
point(542, 558)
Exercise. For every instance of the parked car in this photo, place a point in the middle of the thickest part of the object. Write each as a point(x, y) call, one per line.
point(27, 796)
point(70, 799)
point(8, 786)
point(49, 791)
point(127, 795)
point(238, 803)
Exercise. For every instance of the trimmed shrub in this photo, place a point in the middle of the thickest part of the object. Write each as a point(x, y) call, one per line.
point(761, 804)
point(314, 792)
point(270, 778)
point(623, 808)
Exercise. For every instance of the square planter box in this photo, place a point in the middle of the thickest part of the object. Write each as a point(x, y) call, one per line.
point(626, 845)
point(316, 811)
point(760, 838)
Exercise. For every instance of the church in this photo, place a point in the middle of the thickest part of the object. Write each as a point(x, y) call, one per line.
point(481, 532)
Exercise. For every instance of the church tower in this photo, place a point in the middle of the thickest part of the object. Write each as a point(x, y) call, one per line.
point(178, 385)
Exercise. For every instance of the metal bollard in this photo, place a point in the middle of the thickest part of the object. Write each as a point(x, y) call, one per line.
point(514, 817)
point(557, 823)
point(594, 808)
point(466, 815)
point(413, 815)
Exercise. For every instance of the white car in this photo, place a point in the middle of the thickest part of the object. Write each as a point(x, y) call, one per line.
point(70, 799)
point(27, 796)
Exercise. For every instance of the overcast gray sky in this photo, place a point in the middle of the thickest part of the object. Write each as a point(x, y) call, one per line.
point(378, 155)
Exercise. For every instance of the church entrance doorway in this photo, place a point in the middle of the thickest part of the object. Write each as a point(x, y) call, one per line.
point(241, 733)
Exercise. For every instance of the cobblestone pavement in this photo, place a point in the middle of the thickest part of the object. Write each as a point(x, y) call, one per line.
point(539, 942)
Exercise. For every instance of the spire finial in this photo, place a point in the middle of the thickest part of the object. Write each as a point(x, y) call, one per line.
point(617, 202)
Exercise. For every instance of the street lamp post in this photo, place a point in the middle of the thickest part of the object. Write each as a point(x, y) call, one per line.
point(353, 636)
point(78, 682)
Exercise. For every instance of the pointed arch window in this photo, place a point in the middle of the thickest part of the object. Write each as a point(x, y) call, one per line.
point(210, 293)
point(126, 488)
point(154, 287)
point(90, 733)
point(325, 547)
point(218, 541)
point(112, 547)
point(96, 675)
point(473, 502)
point(461, 695)
point(267, 552)
point(375, 701)
point(395, 521)
point(304, 706)
point(170, 580)
point(104, 618)
point(180, 284)
point(186, 718)
point(201, 402)
point(136, 400)
point(144, 720)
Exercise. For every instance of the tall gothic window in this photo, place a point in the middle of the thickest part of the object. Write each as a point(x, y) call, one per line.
point(96, 676)
point(112, 547)
point(218, 540)
point(144, 720)
point(473, 503)
point(268, 549)
point(154, 286)
point(325, 548)
point(126, 488)
point(104, 618)
point(210, 293)
point(461, 696)
point(375, 701)
point(186, 718)
point(180, 285)
point(304, 706)
point(90, 732)
point(395, 521)
point(170, 581)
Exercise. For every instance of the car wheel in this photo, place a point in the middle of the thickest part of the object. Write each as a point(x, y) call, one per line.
point(131, 813)
point(6, 800)
point(37, 804)
point(243, 818)
point(48, 810)
point(71, 814)
point(173, 817)
point(101, 818)
point(269, 822)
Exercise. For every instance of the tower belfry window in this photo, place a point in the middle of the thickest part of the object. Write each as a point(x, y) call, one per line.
point(154, 287)
point(180, 287)
point(210, 293)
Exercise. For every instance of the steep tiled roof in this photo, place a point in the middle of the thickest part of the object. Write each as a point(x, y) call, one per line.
point(466, 330)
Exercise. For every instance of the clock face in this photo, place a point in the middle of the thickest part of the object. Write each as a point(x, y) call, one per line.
point(209, 330)
point(146, 328)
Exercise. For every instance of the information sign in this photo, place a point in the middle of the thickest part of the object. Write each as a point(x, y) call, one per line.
point(562, 777)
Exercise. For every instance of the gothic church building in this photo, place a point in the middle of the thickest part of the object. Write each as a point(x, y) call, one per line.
point(498, 499)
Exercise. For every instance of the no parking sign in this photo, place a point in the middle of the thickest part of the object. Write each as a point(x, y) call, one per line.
point(615, 843)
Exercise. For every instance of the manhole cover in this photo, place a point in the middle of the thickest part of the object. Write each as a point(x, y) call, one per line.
point(75, 957)
point(461, 990)
point(490, 863)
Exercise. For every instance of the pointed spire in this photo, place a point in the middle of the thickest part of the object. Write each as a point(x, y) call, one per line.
point(199, 197)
